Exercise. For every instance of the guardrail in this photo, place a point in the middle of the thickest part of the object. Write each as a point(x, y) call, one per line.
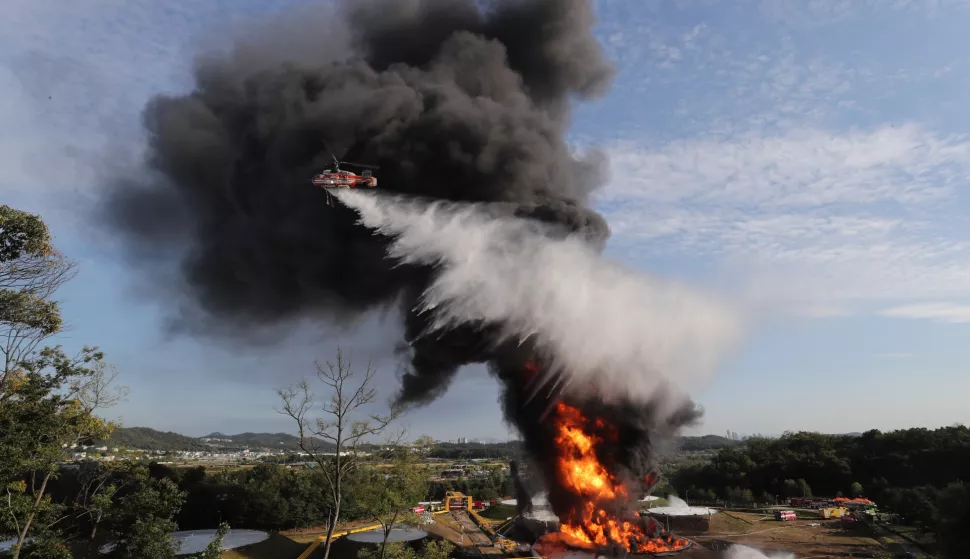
point(339, 534)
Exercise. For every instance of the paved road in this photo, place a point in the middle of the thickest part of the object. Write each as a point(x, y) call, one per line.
point(471, 530)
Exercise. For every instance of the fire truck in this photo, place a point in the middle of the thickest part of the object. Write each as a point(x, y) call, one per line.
point(785, 515)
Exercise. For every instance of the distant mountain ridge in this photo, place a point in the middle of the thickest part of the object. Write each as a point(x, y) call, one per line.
point(151, 439)
point(147, 438)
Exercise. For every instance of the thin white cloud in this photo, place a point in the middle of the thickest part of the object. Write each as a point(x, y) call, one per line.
point(755, 65)
point(801, 13)
point(820, 311)
point(820, 223)
point(940, 312)
point(803, 174)
point(895, 355)
point(721, 82)
point(800, 168)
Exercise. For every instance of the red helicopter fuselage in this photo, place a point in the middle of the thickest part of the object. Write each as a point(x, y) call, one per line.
point(344, 179)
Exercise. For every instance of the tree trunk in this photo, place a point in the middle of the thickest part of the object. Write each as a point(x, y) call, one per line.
point(30, 516)
point(94, 526)
point(330, 529)
point(387, 534)
point(336, 487)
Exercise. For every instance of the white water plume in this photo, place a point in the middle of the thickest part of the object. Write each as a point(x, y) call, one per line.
point(676, 502)
point(604, 328)
point(743, 552)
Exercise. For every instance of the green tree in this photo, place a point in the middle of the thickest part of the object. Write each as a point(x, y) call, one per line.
point(425, 443)
point(437, 550)
point(214, 549)
point(387, 494)
point(47, 399)
point(50, 405)
point(790, 489)
point(855, 490)
point(31, 270)
point(142, 520)
point(98, 482)
point(953, 518)
point(803, 488)
point(334, 441)
point(400, 550)
point(266, 495)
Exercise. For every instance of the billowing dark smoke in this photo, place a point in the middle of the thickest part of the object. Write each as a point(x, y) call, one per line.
point(630, 456)
point(523, 496)
point(452, 100)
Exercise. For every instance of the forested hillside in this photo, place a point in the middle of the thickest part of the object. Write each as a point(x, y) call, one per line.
point(705, 442)
point(918, 473)
point(150, 439)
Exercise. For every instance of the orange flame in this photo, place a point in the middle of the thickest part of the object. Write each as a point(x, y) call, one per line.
point(582, 473)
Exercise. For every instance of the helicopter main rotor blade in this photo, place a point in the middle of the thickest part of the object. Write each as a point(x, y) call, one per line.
point(326, 147)
point(362, 165)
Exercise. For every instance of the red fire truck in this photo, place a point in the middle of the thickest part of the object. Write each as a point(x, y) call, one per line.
point(785, 515)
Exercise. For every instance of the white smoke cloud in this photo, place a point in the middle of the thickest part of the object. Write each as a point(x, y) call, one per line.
point(596, 322)
point(743, 552)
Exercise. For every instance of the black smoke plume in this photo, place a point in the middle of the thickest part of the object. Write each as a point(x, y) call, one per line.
point(630, 454)
point(523, 497)
point(451, 100)
point(460, 100)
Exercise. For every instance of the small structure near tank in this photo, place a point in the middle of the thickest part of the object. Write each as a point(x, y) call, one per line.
point(540, 520)
point(680, 518)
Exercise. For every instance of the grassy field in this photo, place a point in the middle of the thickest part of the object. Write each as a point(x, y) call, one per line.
point(498, 512)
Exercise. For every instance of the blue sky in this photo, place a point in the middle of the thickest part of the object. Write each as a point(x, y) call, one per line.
point(806, 159)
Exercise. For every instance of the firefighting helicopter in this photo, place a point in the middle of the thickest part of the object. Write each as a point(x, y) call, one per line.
point(335, 177)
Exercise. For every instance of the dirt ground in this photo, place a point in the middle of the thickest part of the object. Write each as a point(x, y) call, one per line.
point(446, 529)
point(825, 539)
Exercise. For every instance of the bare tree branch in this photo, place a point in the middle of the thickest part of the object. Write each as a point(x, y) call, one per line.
point(334, 439)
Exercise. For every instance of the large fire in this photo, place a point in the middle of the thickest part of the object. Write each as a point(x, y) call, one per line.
point(603, 518)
